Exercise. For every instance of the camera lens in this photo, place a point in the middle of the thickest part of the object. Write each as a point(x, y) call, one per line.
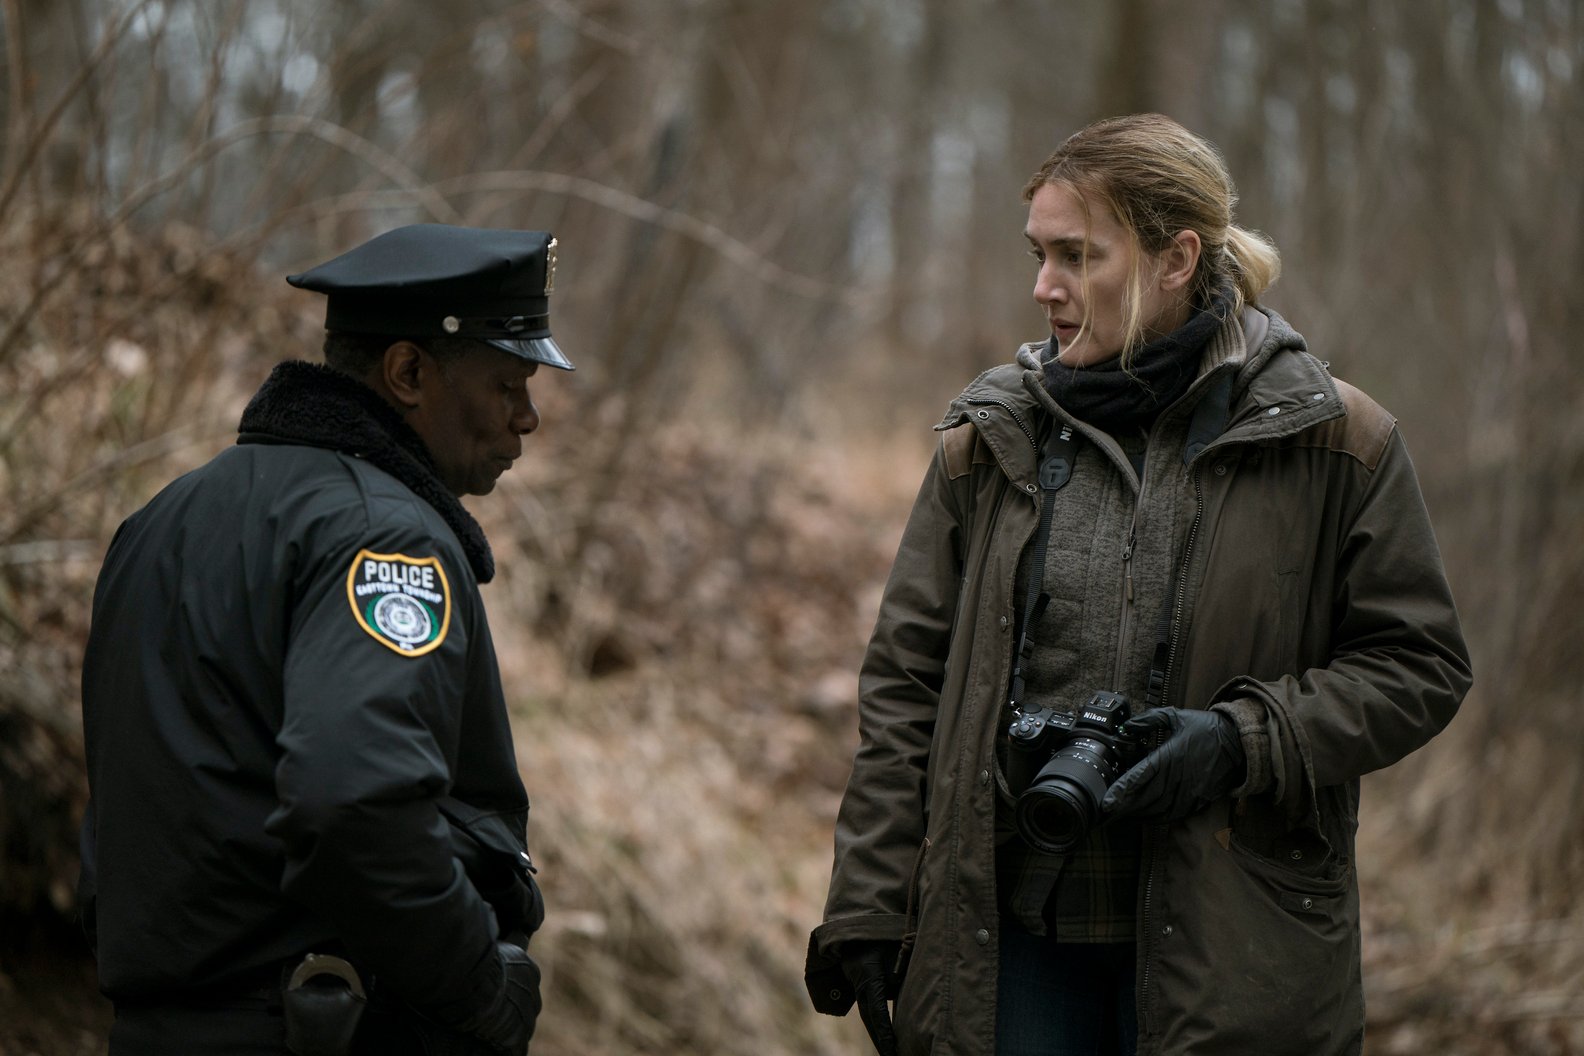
point(1063, 802)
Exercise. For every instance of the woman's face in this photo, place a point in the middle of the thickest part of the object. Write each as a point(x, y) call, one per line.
point(1084, 260)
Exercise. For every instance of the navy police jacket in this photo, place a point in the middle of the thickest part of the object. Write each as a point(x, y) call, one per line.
point(295, 730)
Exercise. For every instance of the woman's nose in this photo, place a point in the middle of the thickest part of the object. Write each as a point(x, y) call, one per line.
point(1047, 288)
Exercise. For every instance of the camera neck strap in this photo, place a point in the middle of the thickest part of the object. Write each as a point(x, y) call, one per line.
point(1057, 455)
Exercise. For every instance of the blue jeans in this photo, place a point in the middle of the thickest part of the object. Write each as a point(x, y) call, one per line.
point(1064, 998)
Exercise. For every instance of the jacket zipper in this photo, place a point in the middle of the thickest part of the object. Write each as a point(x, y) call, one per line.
point(1144, 1011)
point(1127, 599)
point(1016, 417)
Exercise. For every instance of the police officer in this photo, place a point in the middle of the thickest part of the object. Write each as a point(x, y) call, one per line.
point(307, 831)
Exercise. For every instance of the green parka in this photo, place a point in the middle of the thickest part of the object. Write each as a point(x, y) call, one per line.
point(1306, 578)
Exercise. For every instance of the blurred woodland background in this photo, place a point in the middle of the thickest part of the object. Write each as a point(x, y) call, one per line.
point(790, 232)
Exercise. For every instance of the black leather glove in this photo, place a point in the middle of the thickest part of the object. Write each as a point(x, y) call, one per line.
point(509, 1022)
point(870, 968)
point(1199, 762)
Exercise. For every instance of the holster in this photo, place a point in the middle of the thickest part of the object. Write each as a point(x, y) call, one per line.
point(323, 1002)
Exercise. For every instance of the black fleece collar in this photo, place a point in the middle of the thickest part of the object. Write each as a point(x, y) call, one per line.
point(304, 403)
point(1106, 395)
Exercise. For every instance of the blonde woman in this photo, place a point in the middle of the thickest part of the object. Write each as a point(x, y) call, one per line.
point(1167, 591)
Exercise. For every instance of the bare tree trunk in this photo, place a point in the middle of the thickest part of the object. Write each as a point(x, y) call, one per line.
point(1127, 78)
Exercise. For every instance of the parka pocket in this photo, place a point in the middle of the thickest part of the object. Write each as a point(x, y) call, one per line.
point(497, 863)
point(1261, 947)
point(1301, 855)
point(1313, 895)
point(1298, 867)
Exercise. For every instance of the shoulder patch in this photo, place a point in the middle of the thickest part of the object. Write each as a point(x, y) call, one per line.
point(1362, 433)
point(963, 449)
point(958, 445)
point(403, 602)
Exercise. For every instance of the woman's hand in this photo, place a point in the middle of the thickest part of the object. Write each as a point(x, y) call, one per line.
point(869, 967)
point(1199, 761)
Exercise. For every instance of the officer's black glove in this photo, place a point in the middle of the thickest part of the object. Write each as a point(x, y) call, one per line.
point(869, 967)
point(508, 1023)
point(1199, 762)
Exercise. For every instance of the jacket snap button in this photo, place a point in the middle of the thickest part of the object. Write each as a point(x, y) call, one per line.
point(1318, 396)
point(982, 937)
point(984, 777)
point(1220, 469)
point(1274, 411)
point(1296, 856)
point(1308, 903)
point(1004, 622)
point(984, 414)
point(1167, 930)
point(1031, 488)
point(835, 995)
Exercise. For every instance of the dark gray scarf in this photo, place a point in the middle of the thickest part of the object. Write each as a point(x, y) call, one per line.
point(304, 403)
point(1105, 395)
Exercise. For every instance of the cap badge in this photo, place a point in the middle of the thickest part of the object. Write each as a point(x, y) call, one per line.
point(450, 324)
point(550, 263)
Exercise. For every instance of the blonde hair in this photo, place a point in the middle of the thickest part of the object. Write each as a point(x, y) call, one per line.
point(1159, 179)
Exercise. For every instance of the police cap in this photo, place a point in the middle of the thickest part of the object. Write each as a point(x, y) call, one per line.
point(436, 280)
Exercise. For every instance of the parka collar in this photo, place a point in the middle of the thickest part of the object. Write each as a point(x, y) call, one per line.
point(1007, 416)
point(305, 403)
point(1279, 390)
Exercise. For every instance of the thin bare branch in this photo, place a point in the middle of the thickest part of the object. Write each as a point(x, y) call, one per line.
point(49, 551)
point(147, 451)
point(382, 161)
point(349, 141)
point(593, 28)
point(619, 201)
point(46, 127)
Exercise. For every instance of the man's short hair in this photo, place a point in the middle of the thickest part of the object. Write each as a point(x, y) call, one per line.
point(359, 354)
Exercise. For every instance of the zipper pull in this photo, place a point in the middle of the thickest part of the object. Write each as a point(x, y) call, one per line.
point(1127, 569)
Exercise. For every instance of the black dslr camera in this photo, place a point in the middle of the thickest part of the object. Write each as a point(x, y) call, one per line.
point(1088, 752)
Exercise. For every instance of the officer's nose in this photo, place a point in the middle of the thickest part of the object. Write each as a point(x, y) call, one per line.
point(525, 417)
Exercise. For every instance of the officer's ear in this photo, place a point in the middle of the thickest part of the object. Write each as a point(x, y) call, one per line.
point(403, 370)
